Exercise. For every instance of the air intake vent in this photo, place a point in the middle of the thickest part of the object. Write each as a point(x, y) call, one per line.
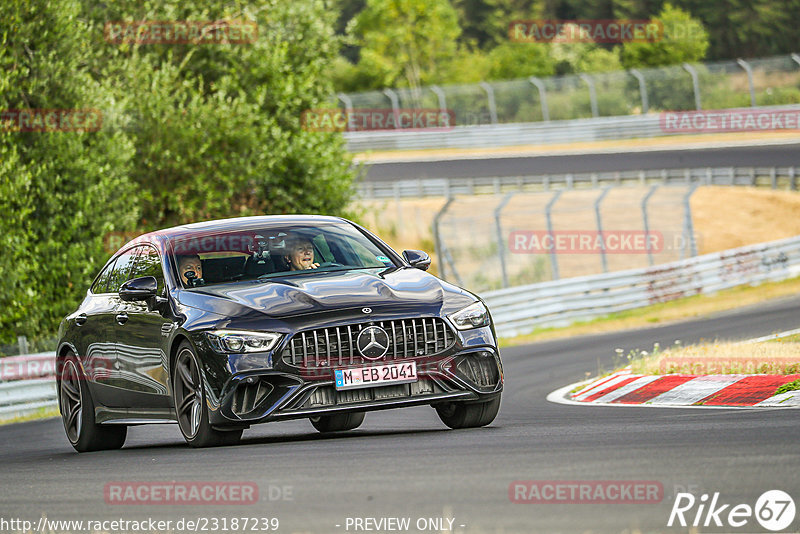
point(249, 394)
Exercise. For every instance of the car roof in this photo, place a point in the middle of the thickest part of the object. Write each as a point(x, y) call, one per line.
point(235, 223)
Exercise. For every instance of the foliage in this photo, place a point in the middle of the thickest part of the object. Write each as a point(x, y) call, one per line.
point(520, 60)
point(685, 41)
point(412, 39)
point(60, 192)
point(190, 132)
point(786, 388)
point(221, 124)
point(747, 28)
point(485, 22)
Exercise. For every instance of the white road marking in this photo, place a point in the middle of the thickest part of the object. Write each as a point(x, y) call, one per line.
point(695, 389)
point(600, 386)
point(790, 398)
point(627, 388)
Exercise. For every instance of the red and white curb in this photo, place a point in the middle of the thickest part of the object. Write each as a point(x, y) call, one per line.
point(698, 391)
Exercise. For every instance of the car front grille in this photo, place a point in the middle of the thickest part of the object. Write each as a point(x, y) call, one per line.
point(336, 346)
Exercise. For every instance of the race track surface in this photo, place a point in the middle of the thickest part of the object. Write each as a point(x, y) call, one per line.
point(755, 156)
point(405, 463)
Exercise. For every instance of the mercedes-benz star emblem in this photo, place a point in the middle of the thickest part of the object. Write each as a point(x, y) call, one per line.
point(373, 342)
point(366, 310)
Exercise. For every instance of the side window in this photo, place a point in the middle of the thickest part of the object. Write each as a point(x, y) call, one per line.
point(148, 263)
point(101, 284)
point(122, 269)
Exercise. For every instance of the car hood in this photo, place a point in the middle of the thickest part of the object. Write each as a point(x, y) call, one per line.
point(399, 291)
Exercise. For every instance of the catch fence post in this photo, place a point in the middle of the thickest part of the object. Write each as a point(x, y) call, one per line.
point(501, 253)
point(646, 223)
point(551, 233)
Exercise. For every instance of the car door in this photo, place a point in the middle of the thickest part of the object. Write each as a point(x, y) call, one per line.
point(101, 326)
point(142, 332)
point(93, 330)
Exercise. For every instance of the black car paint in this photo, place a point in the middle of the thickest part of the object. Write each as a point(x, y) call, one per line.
point(126, 349)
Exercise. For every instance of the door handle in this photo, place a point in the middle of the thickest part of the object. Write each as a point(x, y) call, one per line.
point(81, 319)
point(122, 318)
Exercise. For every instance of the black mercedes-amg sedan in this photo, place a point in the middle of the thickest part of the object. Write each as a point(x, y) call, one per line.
point(224, 324)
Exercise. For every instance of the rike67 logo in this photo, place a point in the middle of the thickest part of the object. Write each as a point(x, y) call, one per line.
point(774, 510)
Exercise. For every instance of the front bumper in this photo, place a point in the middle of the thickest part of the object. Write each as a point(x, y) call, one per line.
point(471, 374)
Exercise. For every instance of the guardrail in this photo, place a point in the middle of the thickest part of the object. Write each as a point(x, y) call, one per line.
point(28, 384)
point(775, 177)
point(515, 134)
point(518, 310)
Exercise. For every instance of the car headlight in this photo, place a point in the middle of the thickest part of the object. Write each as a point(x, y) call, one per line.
point(473, 316)
point(239, 341)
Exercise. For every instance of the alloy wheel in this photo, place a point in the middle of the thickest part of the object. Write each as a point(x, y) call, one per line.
point(71, 405)
point(189, 395)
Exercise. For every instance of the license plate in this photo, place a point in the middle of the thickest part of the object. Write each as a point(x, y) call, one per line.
point(378, 375)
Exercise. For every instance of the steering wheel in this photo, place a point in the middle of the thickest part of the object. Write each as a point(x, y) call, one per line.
point(329, 264)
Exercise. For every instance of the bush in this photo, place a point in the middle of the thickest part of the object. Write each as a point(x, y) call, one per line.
point(189, 133)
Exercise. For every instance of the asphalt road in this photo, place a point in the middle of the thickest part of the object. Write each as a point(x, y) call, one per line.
point(405, 463)
point(763, 156)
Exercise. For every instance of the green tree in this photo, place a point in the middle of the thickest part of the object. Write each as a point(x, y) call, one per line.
point(190, 132)
point(485, 23)
point(747, 28)
point(60, 192)
point(520, 60)
point(218, 128)
point(411, 40)
point(685, 40)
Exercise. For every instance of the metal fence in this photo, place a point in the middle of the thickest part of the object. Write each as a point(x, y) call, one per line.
point(775, 177)
point(584, 107)
point(519, 310)
point(476, 224)
point(719, 85)
point(519, 238)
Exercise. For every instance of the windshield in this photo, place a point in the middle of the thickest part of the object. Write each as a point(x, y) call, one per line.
point(209, 258)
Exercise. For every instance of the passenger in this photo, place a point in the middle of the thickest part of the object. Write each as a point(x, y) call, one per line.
point(190, 263)
point(299, 254)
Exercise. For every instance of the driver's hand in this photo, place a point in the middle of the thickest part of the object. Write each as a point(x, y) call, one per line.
point(313, 266)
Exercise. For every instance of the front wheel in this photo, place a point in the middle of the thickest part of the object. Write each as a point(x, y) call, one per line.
point(190, 403)
point(77, 412)
point(338, 422)
point(468, 415)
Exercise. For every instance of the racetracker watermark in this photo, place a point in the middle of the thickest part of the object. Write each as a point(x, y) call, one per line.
point(50, 120)
point(181, 32)
point(366, 119)
point(729, 120)
point(113, 241)
point(585, 31)
point(181, 493)
point(585, 492)
point(585, 242)
point(33, 366)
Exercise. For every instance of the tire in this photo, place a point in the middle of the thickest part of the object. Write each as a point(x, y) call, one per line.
point(191, 409)
point(468, 415)
point(77, 412)
point(339, 422)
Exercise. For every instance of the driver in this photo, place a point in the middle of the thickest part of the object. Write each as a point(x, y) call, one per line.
point(190, 263)
point(299, 254)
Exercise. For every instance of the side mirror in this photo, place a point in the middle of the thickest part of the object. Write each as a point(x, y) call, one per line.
point(142, 288)
point(418, 259)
